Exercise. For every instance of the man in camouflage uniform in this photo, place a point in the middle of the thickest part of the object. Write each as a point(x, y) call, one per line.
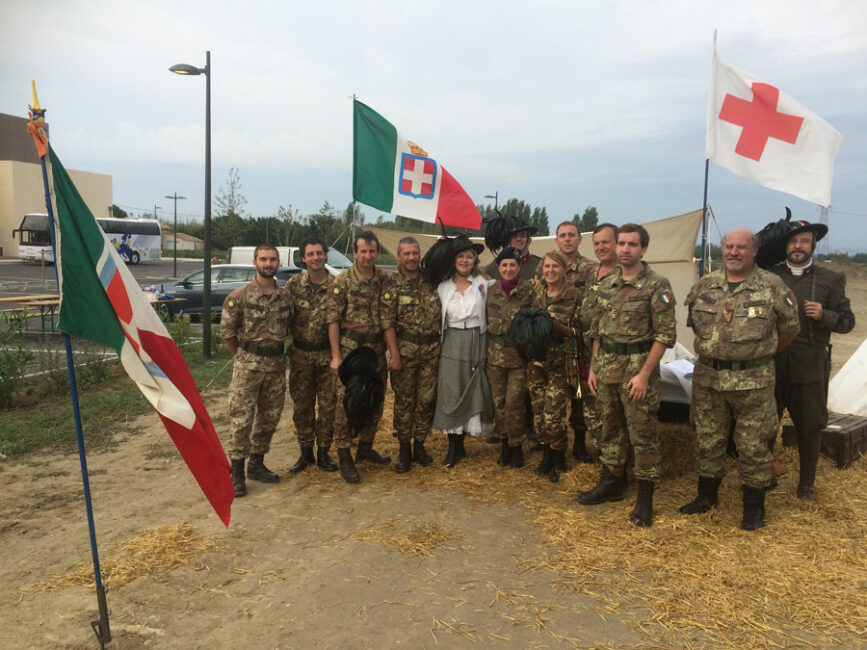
point(741, 316)
point(254, 325)
point(352, 313)
point(507, 372)
point(632, 326)
point(410, 317)
point(310, 378)
point(605, 248)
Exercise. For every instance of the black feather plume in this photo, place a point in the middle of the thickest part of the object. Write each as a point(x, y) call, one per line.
point(438, 263)
point(365, 391)
point(497, 232)
point(530, 333)
point(772, 241)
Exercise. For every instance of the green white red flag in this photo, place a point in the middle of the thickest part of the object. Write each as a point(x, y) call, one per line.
point(394, 174)
point(101, 301)
point(760, 133)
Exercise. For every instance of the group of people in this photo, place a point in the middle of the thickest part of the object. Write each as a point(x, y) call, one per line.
point(527, 346)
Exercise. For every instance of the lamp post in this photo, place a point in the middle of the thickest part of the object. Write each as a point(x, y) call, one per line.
point(157, 207)
point(176, 198)
point(186, 69)
point(494, 196)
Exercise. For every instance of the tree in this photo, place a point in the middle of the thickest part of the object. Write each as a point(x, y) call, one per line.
point(539, 219)
point(117, 213)
point(588, 221)
point(228, 226)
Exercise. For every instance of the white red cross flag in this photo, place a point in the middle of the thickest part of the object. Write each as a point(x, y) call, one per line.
point(760, 133)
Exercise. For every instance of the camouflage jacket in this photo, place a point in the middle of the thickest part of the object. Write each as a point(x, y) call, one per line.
point(588, 304)
point(353, 304)
point(742, 325)
point(255, 317)
point(564, 308)
point(501, 310)
point(309, 326)
point(412, 307)
point(631, 312)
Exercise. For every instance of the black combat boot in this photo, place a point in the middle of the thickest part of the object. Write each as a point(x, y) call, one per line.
point(544, 467)
point(516, 457)
point(347, 466)
point(505, 453)
point(579, 447)
point(419, 453)
point(808, 454)
point(460, 450)
point(708, 489)
point(323, 460)
point(404, 459)
point(238, 478)
point(305, 459)
point(450, 460)
point(609, 488)
point(257, 471)
point(754, 508)
point(643, 514)
point(558, 465)
point(368, 453)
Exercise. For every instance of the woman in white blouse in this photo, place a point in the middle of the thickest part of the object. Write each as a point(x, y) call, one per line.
point(463, 395)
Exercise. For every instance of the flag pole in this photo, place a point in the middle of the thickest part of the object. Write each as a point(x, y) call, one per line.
point(703, 263)
point(101, 625)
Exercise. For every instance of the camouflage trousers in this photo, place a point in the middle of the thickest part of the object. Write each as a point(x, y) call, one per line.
point(625, 422)
point(592, 417)
point(255, 405)
point(415, 395)
point(755, 415)
point(312, 383)
point(343, 434)
point(550, 394)
point(509, 394)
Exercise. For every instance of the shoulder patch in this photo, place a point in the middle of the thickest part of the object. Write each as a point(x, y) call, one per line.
point(231, 303)
point(336, 290)
point(666, 297)
point(386, 295)
point(789, 300)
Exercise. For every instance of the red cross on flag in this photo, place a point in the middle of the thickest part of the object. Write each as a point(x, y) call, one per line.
point(760, 133)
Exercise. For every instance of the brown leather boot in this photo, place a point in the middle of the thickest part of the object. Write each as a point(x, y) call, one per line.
point(347, 466)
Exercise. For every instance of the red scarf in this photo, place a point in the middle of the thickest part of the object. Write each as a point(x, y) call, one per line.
point(509, 287)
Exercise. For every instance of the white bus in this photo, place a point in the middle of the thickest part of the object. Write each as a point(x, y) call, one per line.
point(136, 240)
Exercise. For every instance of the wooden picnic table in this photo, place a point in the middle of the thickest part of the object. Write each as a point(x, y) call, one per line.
point(26, 298)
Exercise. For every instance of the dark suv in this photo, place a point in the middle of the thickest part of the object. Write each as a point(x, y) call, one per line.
point(225, 278)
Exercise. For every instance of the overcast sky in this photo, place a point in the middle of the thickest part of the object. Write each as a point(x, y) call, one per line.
point(562, 104)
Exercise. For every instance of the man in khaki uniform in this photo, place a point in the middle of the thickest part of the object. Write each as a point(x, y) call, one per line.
point(741, 316)
point(353, 319)
point(310, 377)
point(605, 248)
point(632, 326)
point(254, 325)
point(410, 316)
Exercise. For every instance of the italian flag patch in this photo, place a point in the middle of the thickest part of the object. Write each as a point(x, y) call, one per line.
point(666, 297)
point(789, 301)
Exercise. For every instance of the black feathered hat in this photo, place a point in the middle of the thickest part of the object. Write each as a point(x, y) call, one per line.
point(530, 333)
point(774, 237)
point(365, 390)
point(439, 261)
point(499, 230)
point(508, 253)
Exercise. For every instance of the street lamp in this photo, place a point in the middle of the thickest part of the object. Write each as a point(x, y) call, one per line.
point(176, 198)
point(494, 196)
point(186, 69)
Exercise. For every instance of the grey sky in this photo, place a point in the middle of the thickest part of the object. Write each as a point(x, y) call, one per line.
point(562, 104)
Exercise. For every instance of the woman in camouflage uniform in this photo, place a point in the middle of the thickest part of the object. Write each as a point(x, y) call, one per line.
point(507, 373)
point(550, 391)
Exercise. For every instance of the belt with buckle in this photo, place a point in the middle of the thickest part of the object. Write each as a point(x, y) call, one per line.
point(723, 364)
point(626, 348)
point(261, 350)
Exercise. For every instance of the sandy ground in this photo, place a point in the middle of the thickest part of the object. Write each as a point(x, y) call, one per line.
point(299, 567)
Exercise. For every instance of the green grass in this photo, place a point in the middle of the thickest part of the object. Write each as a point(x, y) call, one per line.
point(47, 422)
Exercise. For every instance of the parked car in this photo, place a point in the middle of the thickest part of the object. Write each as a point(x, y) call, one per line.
point(291, 257)
point(225, 278)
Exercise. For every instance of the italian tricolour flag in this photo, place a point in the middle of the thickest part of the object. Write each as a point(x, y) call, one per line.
point(394, 174)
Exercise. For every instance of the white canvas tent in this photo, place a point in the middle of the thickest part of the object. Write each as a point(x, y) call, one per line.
point(671, 250)
point(846, 393)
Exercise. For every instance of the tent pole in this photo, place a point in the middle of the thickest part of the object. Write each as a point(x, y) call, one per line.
point(703, 264)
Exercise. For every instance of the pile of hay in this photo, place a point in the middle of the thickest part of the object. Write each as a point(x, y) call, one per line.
point(697, 581)
point(421, 539)
point(155, 551)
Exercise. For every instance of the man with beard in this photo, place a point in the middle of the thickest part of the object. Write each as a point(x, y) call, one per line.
point(410, 316)
point(742, 316)
point(254, 325)
point(803, 368)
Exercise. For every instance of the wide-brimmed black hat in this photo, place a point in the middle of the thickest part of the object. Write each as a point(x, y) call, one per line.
point(499, 230)
point(462, 243)
point(774, 237)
